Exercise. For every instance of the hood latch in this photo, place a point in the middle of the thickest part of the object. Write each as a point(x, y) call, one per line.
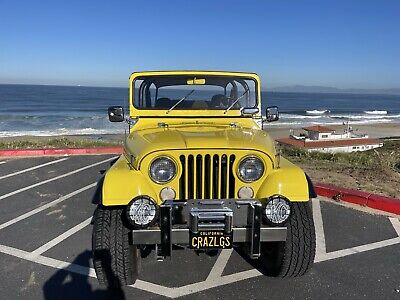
point(163, 125)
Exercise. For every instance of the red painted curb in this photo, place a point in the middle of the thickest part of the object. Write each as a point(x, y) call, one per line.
point(61, 151)
point(383, 203)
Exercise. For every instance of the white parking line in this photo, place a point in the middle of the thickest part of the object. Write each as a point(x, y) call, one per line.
point(219, 265)
point(34, 168)
point(55, 178)
point(63, 265)
point(47, 261)
point(60, 238)
point(2, 162)
point(319, 229)
point(206, 285)
point(183, 290)
point(358, 249)
point(46, 206)
point(214, 279)
point(156, 288)
point(174, 292)
point(396, 225)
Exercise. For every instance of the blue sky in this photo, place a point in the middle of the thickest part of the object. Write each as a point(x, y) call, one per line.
point(333, 43)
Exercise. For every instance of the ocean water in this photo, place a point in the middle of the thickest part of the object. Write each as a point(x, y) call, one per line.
point(299, 109)
point(65, 110)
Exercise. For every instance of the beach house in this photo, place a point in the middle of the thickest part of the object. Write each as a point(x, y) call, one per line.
point(325, 139)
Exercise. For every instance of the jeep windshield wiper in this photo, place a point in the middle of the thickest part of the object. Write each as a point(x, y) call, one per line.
point(236, 101)
point(177, 103)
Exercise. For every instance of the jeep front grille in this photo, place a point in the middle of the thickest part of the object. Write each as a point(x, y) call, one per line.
point(207, 177)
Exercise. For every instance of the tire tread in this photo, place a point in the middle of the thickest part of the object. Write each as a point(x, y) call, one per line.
point(295, 256)
point(114, 260)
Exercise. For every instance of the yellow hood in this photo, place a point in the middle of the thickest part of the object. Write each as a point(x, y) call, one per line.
point(145, 141)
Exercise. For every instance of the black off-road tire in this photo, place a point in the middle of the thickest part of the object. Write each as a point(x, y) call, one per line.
point(294, 257)
point(115, 261)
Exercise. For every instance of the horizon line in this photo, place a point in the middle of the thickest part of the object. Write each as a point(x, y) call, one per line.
point(344, 90)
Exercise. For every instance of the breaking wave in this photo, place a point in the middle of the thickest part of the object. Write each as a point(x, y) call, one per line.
point(317, 112)
point(376, 112)
point(20, 125)
point(58, 132)
point(365, 117)
point(296, 120)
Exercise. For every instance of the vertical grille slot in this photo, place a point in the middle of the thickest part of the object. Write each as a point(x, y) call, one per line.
point(207, 169)
point(231, 185)
point(215, 176)
point(182, 182)
point(224, 175)
point(191, 178)
point(199, 176)
point(207, 176)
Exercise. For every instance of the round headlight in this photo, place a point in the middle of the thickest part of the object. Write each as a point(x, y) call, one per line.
point(251, 169)
point(277, 210)
point(141, 212)
point(162, 170)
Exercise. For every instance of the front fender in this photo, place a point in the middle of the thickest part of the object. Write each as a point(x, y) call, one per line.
point(121, 184)
point(288, 180)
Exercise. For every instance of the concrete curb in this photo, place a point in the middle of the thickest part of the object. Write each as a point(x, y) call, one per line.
point(61, 151)
point(374, 201)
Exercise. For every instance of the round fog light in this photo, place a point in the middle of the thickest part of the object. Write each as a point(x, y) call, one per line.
point(277, 210)
point(245, 192)
point(141, 211)
point(167, 193)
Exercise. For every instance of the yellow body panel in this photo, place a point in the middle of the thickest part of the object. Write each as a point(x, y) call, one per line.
point(122, 184)
point(185, 133)
point(288, 181)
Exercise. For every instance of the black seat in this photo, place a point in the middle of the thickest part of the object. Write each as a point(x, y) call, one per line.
point(219, 101)
point(164, 103)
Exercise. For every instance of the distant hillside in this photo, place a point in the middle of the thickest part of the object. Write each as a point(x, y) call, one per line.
point(326, 89)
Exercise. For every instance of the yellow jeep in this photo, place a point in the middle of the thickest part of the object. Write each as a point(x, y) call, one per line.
point(198, 171)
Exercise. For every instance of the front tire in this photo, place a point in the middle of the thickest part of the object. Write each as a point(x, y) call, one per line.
point(115, 261)
point(294, 257)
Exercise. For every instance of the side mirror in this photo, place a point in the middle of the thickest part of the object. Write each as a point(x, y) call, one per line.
point(116, 114)
point(248, 112)
point(272, 113)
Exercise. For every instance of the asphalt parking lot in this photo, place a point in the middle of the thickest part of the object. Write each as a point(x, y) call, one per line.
point(45, 246)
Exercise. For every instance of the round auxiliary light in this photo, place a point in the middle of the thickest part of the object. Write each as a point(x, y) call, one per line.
point(277, 210)
point(251, 168)
point(245, 192)
point(142, 211)
point(162, 170)
point(167, 193)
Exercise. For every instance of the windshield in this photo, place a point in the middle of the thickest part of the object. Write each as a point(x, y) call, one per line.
point(187, 92)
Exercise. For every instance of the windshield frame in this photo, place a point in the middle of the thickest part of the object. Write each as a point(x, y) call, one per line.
point(189, 112)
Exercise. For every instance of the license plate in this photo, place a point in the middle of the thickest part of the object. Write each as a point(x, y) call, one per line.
point(204, 240)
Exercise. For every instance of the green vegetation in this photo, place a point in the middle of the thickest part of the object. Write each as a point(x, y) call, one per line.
point(376, 171)
point(55, 143)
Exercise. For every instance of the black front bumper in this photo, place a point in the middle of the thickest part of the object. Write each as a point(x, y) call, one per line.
point(242, 218)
